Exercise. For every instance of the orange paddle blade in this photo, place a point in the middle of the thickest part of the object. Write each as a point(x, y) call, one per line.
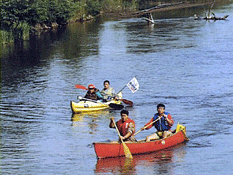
point(80, 87)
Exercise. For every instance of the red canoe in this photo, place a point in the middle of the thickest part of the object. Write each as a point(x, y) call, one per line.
point(105, 150)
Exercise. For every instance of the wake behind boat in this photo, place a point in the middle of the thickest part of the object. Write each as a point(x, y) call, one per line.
point(106, 150)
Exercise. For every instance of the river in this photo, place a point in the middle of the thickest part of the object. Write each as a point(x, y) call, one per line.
point(181, 62)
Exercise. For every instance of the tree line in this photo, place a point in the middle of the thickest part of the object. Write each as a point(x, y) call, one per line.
point(19, 16)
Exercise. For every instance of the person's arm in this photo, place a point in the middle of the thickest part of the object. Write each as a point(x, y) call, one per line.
point(131, 130)
point(99, 95)
point(102, 92)
point(111, 124)
point(126, 136)
point(86, 95)
point(148, 126)
point(169, 119)
point(119, 95)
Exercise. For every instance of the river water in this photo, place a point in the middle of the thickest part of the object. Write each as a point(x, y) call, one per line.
point(183, 63)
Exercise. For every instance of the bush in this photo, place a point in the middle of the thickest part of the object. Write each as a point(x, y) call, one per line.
point(93, 7)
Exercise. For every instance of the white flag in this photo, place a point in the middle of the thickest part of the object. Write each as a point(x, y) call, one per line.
point(133, 85)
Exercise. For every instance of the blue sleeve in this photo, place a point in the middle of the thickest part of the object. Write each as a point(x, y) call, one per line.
point(99, 95)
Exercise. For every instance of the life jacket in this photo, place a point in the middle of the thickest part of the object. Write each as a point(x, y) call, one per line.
point(108, 92)
point(94, 96)
point(161, 124)
point(90, 95)
point(123, 127)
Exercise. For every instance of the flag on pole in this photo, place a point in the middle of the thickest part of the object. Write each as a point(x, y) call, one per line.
point(133, 85)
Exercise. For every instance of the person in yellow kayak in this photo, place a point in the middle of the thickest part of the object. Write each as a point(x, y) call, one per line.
point(93, 93)
point(108, 92)
point(125, 125)
point(162, 122)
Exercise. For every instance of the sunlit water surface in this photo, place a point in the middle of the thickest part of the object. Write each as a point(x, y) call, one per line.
point(183, 63)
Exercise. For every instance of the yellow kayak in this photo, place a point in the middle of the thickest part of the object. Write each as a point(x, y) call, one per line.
point(88, 106)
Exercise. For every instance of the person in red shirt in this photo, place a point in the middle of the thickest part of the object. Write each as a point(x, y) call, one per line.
point(162, 121)
point(125, 125)
point(93, 93)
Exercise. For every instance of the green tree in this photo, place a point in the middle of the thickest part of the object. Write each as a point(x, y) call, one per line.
point(13, 13)
point(18, 15)
point(14, 17)
point(93, 7)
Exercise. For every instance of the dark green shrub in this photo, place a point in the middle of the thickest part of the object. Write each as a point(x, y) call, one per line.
point(93, 7)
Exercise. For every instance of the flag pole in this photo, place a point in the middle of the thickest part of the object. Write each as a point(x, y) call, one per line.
point(126, 85)
point(122, 89)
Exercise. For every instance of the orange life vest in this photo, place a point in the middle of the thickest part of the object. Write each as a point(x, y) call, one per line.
point(123, 127)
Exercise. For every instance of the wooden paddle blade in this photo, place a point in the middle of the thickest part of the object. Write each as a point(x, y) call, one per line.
point(116, 106)
point(128, 102)
point(127, 151)
point(80, 87)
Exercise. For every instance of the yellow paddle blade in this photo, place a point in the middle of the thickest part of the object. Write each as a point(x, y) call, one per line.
point(180, 127)
point(127, 151)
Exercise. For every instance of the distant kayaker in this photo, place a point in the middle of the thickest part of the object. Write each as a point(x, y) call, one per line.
point(93, 93)
point(163, 123)
point(125, 125)
point(108, 92)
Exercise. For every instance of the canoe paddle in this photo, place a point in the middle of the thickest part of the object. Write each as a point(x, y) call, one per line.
point(125, 147)
point(147, 126)
point(128, 102)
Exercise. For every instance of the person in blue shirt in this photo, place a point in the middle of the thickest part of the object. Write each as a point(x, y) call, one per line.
point(162, 121)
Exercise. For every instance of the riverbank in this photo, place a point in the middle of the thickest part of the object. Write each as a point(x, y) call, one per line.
point(159, 8)
point(78, 13)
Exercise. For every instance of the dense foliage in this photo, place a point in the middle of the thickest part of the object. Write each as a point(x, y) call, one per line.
point(17, 16)
point(15, 12)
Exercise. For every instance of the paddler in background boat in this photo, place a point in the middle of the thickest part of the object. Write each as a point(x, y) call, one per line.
point(125, 125)
point(93, 93)
point(108, 92)
point(163, 124)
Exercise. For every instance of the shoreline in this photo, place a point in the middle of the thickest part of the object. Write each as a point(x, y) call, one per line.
point(155, 9)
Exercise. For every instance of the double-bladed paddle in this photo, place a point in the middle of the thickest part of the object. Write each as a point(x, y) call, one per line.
point(125, 147)
point(116, 106)
point(81, 87)
point(128, 102)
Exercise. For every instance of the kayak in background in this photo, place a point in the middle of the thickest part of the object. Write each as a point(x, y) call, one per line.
point(89, 106)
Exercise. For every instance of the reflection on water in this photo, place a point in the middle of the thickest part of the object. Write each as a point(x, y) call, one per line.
point(94, 115)
point(155, 162)
point(93, 118)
